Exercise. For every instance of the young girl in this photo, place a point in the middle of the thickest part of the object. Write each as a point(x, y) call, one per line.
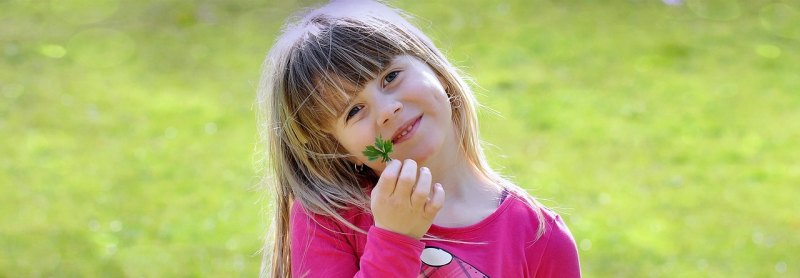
point(346, 74)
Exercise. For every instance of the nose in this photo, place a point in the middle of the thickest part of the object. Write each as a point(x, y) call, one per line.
point(389, 110)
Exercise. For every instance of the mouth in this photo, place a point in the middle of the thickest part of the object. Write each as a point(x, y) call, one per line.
point(406, 130)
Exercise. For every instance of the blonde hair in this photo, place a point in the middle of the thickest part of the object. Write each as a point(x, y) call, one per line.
point(317, 63)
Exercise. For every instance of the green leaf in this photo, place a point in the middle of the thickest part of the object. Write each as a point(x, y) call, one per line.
point(371, 153)
point(381, 149)
point(379, 142)
point(387, 146)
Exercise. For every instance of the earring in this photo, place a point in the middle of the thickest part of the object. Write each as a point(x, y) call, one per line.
point(358, 167)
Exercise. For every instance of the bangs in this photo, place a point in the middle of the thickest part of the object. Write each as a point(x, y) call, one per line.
point(332, 62)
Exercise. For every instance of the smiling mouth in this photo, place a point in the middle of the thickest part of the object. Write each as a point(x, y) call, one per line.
point(406, 132)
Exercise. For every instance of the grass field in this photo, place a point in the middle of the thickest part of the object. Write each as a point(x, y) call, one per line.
point(665, 134)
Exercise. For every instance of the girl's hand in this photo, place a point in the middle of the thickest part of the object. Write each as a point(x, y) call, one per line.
point(403, 202)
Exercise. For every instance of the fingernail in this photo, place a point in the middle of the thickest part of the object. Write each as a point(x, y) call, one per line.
point(424, 169)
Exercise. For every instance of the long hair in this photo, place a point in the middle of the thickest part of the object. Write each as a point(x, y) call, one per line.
point(308, 75)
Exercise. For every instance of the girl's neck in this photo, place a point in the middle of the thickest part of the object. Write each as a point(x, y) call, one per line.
point(470, 195)
point(460, 178)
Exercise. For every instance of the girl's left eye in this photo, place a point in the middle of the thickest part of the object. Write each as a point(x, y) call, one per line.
point(390, 77)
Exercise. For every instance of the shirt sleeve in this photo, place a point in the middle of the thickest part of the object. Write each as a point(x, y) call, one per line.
point(320, 248)
point(560, 257)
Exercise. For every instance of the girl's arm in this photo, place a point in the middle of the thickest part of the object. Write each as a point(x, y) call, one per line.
point(320, 248)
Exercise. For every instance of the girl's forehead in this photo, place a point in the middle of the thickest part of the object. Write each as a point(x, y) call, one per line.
point(403, 59)
point(337, 84)
point(353, 83)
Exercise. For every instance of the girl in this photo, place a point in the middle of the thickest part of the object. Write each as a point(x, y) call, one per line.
point(346, 74)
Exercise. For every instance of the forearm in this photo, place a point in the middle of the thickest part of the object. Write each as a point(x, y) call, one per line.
point(323, 247)
point(388, 254)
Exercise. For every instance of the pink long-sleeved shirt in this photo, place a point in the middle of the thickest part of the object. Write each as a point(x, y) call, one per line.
point(503, 244)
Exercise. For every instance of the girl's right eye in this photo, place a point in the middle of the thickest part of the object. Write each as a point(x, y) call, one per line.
point(353, 111)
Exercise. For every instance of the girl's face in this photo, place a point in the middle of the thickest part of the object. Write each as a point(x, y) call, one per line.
point(407, 104)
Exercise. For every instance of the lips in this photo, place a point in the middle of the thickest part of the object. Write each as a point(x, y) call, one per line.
point(406, 130)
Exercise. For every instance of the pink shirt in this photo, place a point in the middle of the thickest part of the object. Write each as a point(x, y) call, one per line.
point(505, 246)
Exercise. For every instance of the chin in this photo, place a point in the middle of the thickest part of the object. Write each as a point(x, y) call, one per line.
point(425, 151)
point(423, 156)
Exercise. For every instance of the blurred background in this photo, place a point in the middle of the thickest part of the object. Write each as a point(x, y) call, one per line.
point(664, 132)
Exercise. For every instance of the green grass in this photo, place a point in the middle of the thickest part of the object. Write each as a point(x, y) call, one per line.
point(666, 136)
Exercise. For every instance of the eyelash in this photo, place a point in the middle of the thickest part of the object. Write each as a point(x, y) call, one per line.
point(393, 74)
point(353, 111)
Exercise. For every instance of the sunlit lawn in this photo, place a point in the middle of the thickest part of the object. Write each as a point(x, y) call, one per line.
point(665, 135)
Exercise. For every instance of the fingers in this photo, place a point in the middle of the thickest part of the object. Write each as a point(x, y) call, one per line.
point(404, 201)
point(388, 180)
point(436, 201)
point(401, 182)
point(422, 190)
point(406, 180)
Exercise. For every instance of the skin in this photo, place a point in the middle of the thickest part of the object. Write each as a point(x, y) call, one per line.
point(410, 194)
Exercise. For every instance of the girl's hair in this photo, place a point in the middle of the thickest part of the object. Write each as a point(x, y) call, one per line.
point(318, 62)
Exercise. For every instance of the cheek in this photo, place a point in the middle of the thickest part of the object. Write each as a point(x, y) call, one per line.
point(442, 102)
point(354, 148)
point(442, 97)
point(430, 91)
point(354, 140)
point(436, 90)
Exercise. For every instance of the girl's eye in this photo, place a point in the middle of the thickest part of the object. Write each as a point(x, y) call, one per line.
point(391, 76)
point(353, 112)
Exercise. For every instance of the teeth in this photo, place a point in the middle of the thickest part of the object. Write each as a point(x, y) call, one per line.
point(406, 131)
